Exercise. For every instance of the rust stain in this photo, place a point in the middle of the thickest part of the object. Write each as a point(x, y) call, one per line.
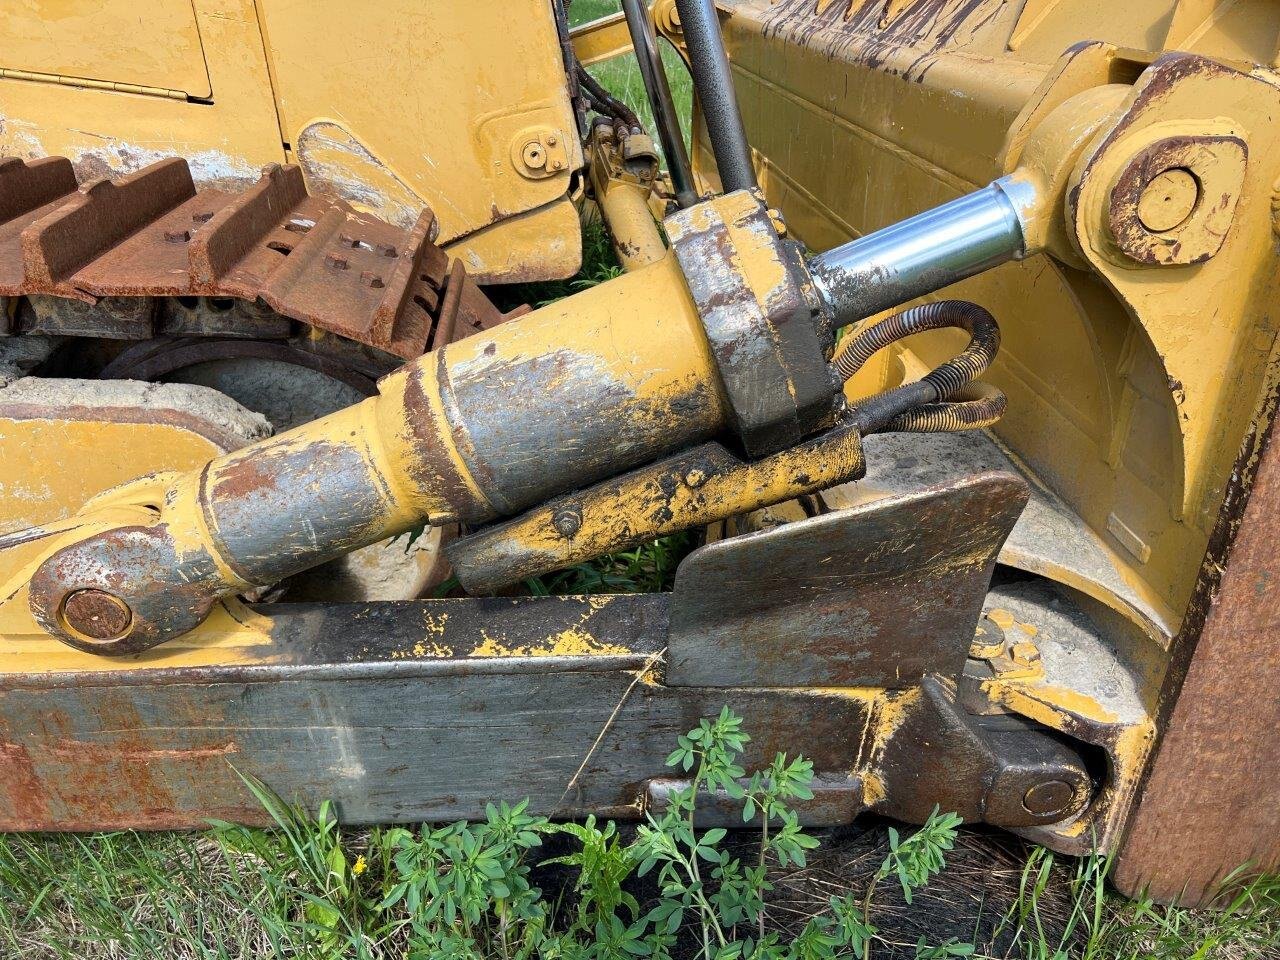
point(25, 806)
point(151, 233)
point(84, 750)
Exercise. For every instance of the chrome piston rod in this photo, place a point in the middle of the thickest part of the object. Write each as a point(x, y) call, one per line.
point(926, 252)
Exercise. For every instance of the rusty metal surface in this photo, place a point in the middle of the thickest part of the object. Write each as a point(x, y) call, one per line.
point(398, 712)
point(874, 596)
point(1084, 682)
point(1049, 538)
point(1209, 802)
point(152, 234)
point(411, 711)
point(182, 587)
point(1215, 167)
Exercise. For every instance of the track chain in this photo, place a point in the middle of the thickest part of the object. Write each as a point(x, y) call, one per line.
point(153, 234)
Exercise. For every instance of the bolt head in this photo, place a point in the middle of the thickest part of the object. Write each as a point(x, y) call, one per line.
point(695, 477)
point(1168, 199)
point(534, 156)
point(567, 523)
point(1048, 798)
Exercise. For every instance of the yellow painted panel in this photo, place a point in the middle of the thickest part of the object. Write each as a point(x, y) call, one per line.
point(425, 100)
point(107, 133)
point(152, 44)
point(45, 474)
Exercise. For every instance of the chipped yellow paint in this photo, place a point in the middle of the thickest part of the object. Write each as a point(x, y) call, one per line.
point(423, 649)
point(892, 710)
point(1001, 618)
point(1052, 705)
point(640, 332)
point(573, 642)
point(873, 789)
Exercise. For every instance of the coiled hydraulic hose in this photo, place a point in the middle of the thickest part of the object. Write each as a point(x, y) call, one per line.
point(946, 398)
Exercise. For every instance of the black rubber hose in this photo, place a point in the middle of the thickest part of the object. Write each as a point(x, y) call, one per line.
point(977, 406)
point(921, 406)
point(608, 101)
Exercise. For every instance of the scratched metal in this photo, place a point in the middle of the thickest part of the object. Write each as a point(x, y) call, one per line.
point(1209, 800)
point(873, 596)
point(982, 768)
point(696, 487)
point(169, 592)
point(425, 724)
point(859, 30)
point(770, 346)
point(534, 425)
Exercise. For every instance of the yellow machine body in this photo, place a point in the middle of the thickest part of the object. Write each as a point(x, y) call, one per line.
point(390, 106)
point(1139, 349)
point(1131, 387)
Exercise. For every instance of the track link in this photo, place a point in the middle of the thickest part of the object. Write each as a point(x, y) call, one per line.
point(311, 259)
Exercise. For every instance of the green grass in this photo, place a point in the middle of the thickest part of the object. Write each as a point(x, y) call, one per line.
point(308, 890)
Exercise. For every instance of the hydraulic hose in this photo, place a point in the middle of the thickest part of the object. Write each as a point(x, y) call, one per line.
point(943, 399)
point(605, 101)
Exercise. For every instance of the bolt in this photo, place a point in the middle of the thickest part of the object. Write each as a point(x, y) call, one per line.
point(1048, 798)
point(557, 164)
point(695, 477)
point(371, 279)
point(177, 236)
point(533, 156)
point(551, 141)
point(988, 640)
point(567, 522)
point(335, 261)
point(96, 614)
point(1168, 199)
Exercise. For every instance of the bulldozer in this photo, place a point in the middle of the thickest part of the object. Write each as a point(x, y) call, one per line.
point(950, 332)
